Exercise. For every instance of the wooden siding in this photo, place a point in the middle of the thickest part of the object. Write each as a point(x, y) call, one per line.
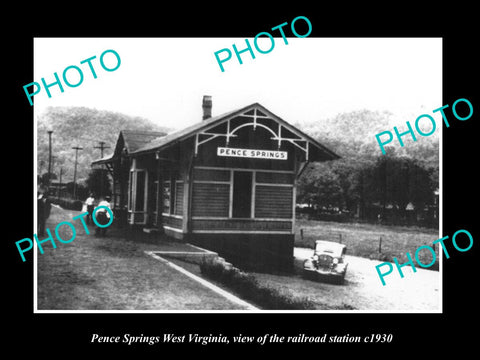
point(179, 198)
point(273, 201)
point(210, 199)
point(273, 193)
point(172, 221)
point(136, 217)
point(274, 178)
point(247, 225)
point(211, 175)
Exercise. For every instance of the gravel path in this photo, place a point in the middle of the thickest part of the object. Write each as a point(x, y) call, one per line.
point(114, 273)
point(363, 290)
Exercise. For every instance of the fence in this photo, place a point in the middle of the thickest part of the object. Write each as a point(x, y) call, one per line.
point(366, 241)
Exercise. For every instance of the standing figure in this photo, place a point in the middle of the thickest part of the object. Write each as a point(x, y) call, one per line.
point(43, 210)
point(102, 216)
point(90, 206)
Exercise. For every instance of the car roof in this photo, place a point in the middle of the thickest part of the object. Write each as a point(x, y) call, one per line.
point(329, 245)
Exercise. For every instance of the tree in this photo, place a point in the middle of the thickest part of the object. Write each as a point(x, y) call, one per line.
point(84, 127)
point(365, 181)
point(98, 182)
point(306, 192)
point(46, 178)
point(329, 192)
point(319, 186)
point(81, 191)
point(398, 181)
point(388, 183)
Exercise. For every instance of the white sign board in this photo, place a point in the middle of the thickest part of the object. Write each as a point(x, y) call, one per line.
point(252, 153)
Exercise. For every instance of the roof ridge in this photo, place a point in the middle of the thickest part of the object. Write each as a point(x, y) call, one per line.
point(162, 140)
point(143, 131)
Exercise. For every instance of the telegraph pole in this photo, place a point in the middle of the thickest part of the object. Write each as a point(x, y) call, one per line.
point(52, 168)
point(51, 172)
point(76, 148)
point(49, 156)
point(60, 183)
point(101, 147)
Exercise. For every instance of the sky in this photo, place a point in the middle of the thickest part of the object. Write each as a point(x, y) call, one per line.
point(164, 79)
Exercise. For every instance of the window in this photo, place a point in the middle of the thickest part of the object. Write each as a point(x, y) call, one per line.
point(178, 198)
point(137, 191)
point(273, 201)
point(166, 197)
point(130, 182)
point(242, 194)
point(137, 195)
point(156, 200)
point(140, 191)
point(173, 197)
point(173, 189)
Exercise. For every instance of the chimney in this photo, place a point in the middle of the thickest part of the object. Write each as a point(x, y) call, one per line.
point(207, 107)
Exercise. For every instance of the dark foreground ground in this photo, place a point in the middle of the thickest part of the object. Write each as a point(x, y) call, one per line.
point(115, 273)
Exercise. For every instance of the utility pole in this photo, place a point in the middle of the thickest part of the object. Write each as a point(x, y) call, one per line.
point(76, 148)
point(101, 147)
point(52, 167)
point(52, 174)
point(60, 182)
point(49, 156)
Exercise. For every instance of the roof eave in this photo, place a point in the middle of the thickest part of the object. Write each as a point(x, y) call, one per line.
point(327, 154)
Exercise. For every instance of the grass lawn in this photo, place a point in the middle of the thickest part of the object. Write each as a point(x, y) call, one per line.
point(114, 273)
point(364, 239)
point(321, 295)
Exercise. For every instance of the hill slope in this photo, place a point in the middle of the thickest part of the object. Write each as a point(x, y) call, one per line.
point(83, 127)
point(352, 136)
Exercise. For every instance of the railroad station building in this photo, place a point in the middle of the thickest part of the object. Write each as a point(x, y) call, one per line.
point(226, 183)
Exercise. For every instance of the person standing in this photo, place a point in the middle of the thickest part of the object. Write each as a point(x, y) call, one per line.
point(43, 211)
point(90, 202)
point(102, 216)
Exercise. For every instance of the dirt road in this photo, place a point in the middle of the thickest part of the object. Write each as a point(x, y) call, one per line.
point(418, 291)
point(115, 273)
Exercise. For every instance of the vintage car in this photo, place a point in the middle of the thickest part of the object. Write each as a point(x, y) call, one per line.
point(327, 262)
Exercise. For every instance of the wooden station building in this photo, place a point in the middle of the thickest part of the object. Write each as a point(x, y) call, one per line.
point(226, 183)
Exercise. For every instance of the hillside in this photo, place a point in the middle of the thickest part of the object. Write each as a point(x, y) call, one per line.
point(364, 178)
point(352, 136)
point(83, 127)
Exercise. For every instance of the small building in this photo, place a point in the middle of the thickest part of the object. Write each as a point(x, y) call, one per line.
point(57, 188)
point(226, 183)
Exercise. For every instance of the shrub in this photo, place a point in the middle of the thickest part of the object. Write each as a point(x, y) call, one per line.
point(248, 287)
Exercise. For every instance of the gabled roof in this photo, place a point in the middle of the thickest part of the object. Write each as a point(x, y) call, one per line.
point(142, 142)
point(318, 151)
point(134, 140)
point(130, 140)
point(187, 132)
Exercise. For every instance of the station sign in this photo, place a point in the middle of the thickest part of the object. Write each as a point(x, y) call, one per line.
point(252, 153)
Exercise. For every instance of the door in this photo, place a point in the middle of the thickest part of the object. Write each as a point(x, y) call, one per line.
point(137, 205)
point(242, 194)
